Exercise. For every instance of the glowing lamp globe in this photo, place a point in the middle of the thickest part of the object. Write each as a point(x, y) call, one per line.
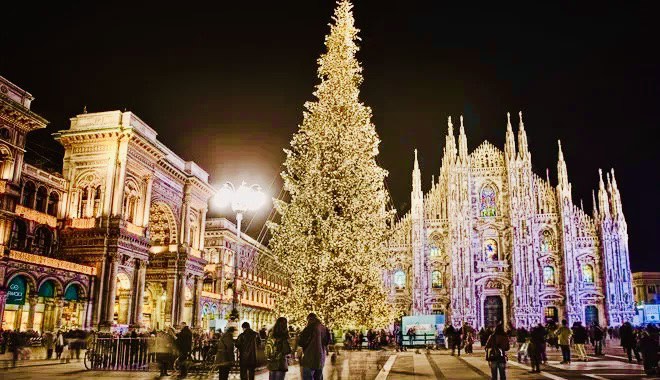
point(224, 196)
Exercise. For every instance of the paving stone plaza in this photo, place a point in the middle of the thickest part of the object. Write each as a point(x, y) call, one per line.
point(380, 365)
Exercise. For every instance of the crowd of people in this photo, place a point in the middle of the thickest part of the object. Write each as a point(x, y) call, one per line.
point(282, 344)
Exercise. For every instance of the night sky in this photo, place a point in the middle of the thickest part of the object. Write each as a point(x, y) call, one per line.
point(224, 84)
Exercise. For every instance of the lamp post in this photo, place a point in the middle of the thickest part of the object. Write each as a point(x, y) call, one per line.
point(242, 199)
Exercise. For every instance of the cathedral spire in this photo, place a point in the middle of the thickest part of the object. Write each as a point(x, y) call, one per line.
point(450, 143)
point(522, 138)
point(603, 199)
point(510, 145)
point(462, 144)
point(617, 208)
point(416, 178)
point(594, 204)
point(562, 173)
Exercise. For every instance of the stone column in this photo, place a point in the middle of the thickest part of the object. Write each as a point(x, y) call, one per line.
point(147, 201)
point(138, 299)
point(180, 298)
point(196, 307)
point(185, 216)
point(32, 300)
point(124, 312)
point(118, 191)
point(202, 228)
point(49, 311)
point(59, 306)
point(170, 300)
point(110, 290)
point(3, 299)
point(89, 207)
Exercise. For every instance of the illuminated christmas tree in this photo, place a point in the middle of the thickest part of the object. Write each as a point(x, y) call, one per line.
point(332, 231)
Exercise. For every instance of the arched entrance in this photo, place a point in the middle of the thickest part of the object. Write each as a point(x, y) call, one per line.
point(493, 311)
point(590, 315)
point(73, 308)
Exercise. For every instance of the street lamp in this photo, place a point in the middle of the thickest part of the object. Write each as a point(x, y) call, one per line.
point(242, 199)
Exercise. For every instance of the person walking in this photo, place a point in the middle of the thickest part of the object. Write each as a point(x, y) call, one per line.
point(648, 345)
point(59, 344)
point(224, 356)
point(314, 340)
point(483, 336)
point(628, 341)
point(247, 344)
point(184, 344)
point(564, 339)
point(536, 347)
point(580, 336)
point(597, 333)
point(163, 349)
point(48, 342)
point(496, 348)
point(277, 349)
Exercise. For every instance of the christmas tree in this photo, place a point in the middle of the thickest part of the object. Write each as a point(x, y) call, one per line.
point(332, 230)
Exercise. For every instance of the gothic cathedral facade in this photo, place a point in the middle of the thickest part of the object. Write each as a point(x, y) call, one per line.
point(494, 242)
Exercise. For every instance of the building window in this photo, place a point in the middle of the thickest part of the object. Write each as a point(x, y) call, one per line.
point(588, 274)
point(651, 289)
point(435, 251)
point(18, 235)
point(43, 239)
point(490, 250)
point(547, 241)
point(488, 203)
point(436, 279)
point(53, 199)
point(4, 134)
point(549, 276)
point(29, 192)
point(399, 279)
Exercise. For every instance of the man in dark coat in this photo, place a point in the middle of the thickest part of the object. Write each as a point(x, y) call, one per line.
point(247, 344)
point(628, 341)
point(184, 344)
point(597, 333)
point(314, 340)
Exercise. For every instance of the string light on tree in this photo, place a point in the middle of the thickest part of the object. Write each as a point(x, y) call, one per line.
point(332, 231)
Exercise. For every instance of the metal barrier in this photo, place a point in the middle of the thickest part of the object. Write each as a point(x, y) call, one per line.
point(120, 354)
point(137, 354)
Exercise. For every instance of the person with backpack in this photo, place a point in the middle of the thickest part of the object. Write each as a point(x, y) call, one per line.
point(224, 354)
point(496, 348)
point(313, 340)
point(247, 344)
point(277, 349)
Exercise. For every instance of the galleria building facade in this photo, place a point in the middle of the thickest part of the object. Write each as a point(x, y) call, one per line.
point(494, 242)
point(120, 238)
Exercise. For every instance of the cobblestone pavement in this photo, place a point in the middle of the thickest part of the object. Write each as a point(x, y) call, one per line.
point(384, 365)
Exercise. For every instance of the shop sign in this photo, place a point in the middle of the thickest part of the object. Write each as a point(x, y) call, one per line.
point(16, 291)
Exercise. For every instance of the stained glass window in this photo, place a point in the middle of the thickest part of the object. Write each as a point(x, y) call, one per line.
point(435, 251)
point(436, 279)
point(588, 274)
point(488, 203)
point(399, 279)
point(490, 250)
point(549, 276)
point(547, 241)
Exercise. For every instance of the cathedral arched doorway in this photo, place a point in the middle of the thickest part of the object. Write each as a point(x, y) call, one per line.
point(590, 315)
point(493, 311)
